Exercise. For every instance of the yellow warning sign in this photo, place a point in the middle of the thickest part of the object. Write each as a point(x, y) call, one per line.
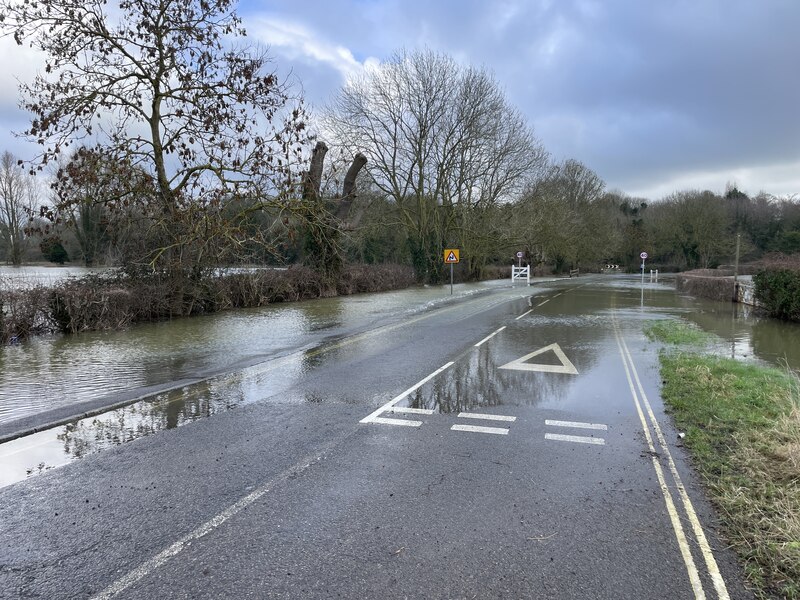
point(451, 255)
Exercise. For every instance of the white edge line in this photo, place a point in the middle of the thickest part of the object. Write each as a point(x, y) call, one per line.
point(478, 429)
point(464, 415)
point(490, 336)
point(524, 314)
point(576, 424)
point(370, 418)
point(574, 438)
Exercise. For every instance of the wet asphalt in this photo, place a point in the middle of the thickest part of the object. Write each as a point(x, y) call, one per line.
point(295, 497)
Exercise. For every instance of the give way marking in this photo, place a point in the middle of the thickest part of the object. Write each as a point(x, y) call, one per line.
point(522, 364)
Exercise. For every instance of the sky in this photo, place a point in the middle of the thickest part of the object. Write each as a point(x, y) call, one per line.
point(655, 97)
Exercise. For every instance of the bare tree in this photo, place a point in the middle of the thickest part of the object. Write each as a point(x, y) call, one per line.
point(440, 140)
point(563, 220)
point(17, 200)
point(696, 225)
point(166, 88)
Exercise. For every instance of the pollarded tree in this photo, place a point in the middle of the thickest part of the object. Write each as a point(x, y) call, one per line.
point(168, 88)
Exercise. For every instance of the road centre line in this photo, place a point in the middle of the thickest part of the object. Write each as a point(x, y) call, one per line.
point(490, 336)
point(543, 303)
point(576, 424)
point(478, 429)
point(371, 418)
point(486, 417)
point(702, 541)
point(524, 314)
point(580, 439)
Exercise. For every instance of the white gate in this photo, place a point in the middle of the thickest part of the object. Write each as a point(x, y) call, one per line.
point(521, 274)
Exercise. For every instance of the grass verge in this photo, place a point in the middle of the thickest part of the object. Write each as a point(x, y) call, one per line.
point(742, 427)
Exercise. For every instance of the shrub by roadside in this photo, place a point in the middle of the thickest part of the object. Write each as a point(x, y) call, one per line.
point(116, 301)
point(777, 287)
point(742, 425)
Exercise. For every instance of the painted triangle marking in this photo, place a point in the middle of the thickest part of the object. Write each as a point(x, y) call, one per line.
point(522, 364)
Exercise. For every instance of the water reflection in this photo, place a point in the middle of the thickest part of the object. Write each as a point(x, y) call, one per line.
point(61, 445)
point(50, 372)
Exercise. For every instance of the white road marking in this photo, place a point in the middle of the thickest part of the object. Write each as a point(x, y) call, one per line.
point(490, 336)
point(702, 541)
point(543, 303)
point(477, 429)
point(576, 424)
point(579, 439)
point(405, 422)
point(677, 527)
point(523, 314)
point(521, 364)
point(411, 411)
point(485, 417)
point(372, 418)
point(123, 583)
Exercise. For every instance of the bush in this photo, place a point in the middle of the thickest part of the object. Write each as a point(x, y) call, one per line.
point(24, 312)
point(778, 289)
point(118, 300)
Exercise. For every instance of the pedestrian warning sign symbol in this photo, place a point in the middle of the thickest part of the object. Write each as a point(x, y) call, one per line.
point(451, 255)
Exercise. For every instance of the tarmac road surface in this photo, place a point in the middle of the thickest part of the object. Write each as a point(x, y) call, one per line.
point(510, 445)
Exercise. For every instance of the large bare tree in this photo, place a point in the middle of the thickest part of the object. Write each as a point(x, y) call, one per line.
point(441, 141)
point(17, 200)
point(167, 88)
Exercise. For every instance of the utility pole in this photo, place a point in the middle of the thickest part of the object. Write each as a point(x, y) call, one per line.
point(736, 268)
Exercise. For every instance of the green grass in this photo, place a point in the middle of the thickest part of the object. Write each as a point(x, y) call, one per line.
point(677, 332)
point(742, 429)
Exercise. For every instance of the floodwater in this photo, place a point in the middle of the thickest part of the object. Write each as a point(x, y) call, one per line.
point(28, 276)
point(192, 368)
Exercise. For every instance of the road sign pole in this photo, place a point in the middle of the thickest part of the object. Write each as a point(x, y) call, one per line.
point(643, 256)
point(451, 279)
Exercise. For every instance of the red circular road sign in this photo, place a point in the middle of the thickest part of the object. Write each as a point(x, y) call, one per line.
point(643, 255)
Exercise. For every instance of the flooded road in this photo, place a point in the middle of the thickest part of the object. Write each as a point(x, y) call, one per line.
point(506, 443)
point(46, 373)
point(227, 360)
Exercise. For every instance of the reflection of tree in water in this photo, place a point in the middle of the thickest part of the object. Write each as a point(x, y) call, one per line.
point(165, 411)
point(477, 382)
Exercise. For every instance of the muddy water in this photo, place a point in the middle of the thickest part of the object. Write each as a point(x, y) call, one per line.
point(252, 355)
point(51, 372)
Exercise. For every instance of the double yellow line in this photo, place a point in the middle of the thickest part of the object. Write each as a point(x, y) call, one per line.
point(649, 421)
